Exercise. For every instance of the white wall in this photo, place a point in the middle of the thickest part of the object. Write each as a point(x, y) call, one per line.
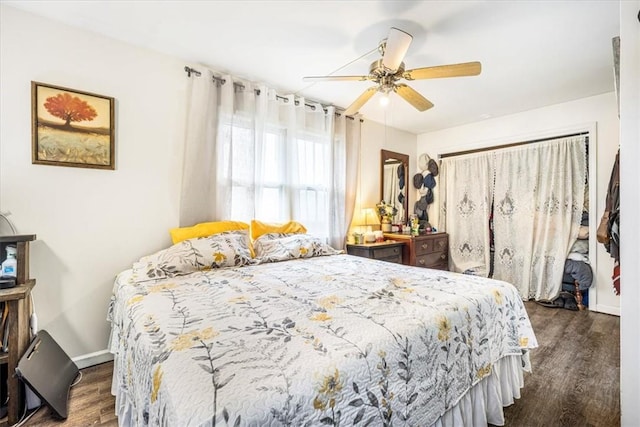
point(630, 206)
point(599, 111)
point(90, 224)
point(375, 137)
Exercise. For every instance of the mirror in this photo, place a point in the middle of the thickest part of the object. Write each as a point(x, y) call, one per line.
point(394, 183)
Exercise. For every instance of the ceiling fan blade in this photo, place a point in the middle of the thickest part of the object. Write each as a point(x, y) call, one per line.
point(334, 78)
point(419, 102)
point(360, 101)
point(451, 70)
point(396, 48)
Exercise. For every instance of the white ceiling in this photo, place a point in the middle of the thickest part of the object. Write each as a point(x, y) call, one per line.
point(533, 53)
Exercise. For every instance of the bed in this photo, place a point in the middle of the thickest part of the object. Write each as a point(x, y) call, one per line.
point(304, 335)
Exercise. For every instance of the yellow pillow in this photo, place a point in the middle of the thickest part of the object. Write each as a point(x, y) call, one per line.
point(259, 228)
point(205, 229)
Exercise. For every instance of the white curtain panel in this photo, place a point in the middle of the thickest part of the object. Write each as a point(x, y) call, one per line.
point(467, 183)
point(346, 156)
point(268, 157)
point(235, 164)
point(197, 200)
point(314, 164)
point(539, 193)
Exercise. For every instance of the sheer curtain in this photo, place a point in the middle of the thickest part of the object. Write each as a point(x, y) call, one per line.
point(539, 194)
point(252, 154)
point(467, 183)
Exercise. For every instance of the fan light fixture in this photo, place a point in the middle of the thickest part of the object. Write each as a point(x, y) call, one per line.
point(386, 72)
point(384, 98)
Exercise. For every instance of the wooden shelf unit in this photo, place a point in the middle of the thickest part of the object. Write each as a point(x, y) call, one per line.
point(18, 317)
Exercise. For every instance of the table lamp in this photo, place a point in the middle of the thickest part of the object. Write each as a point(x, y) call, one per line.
point(370, 219)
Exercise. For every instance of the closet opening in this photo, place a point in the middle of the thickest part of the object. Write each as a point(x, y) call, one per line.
point(536, 212)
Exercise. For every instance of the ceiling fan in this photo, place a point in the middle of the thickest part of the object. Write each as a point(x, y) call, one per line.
point(386, 72)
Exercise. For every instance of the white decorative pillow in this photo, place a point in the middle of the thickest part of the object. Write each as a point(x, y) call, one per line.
point(227, 249)
point(274, 247)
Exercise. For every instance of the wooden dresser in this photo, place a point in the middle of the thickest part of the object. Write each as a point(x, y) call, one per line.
point(384, 251)
point(425, 250)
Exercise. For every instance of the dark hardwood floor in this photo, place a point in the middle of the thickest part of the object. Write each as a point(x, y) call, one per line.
point(90, 402)
point(576, 371)
point(575, 379)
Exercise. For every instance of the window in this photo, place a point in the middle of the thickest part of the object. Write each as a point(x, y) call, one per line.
point(277, 178)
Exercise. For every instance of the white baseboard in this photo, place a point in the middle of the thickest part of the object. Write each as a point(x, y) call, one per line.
point(92, 359)
point(606, 309)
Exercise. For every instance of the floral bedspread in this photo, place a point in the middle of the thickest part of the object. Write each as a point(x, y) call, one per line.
point(330, 340)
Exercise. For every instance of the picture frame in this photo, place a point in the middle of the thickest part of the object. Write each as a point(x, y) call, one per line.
point(72, 127)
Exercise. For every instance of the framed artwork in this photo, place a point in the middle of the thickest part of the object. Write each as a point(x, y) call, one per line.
point(71, 128)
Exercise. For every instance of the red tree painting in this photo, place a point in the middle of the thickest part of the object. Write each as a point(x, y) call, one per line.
point(69, 108)
point(71, 127)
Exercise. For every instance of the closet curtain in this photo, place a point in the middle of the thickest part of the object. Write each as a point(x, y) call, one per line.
point(467, 186)
point(252, 154)
point(539, 195)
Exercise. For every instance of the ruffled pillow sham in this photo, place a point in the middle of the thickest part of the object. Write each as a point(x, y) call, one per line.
point(273, 247)
point(226, 249)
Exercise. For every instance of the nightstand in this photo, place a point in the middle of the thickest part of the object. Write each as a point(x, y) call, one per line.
point(429, 250)
point(384, 251)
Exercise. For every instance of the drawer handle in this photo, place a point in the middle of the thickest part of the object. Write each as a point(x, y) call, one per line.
point(443, 256)
point(421, 262)
point(395, 250)
point(425, 246)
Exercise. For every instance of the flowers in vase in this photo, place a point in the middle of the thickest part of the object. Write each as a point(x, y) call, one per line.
point(386, 211)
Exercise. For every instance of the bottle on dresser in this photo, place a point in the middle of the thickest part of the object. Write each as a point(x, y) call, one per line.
point(10, 265)
point(9, 269)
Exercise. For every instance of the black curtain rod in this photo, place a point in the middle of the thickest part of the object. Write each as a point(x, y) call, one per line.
point(190, 71)
point(515, 144)
point(222, 81)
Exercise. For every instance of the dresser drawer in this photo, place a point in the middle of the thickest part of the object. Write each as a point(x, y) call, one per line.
point(441, 244)
point(426, 246)
point(442, 266)
point(429, 260)
point(388, 253)
point(423, 246)
point(391, 252)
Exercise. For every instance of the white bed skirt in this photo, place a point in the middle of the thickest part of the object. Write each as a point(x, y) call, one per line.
point(480, 406)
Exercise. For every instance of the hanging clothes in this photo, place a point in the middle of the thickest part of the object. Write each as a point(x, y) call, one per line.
point(609, 228)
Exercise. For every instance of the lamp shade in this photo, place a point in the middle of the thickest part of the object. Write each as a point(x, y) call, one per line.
point(370, 217)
